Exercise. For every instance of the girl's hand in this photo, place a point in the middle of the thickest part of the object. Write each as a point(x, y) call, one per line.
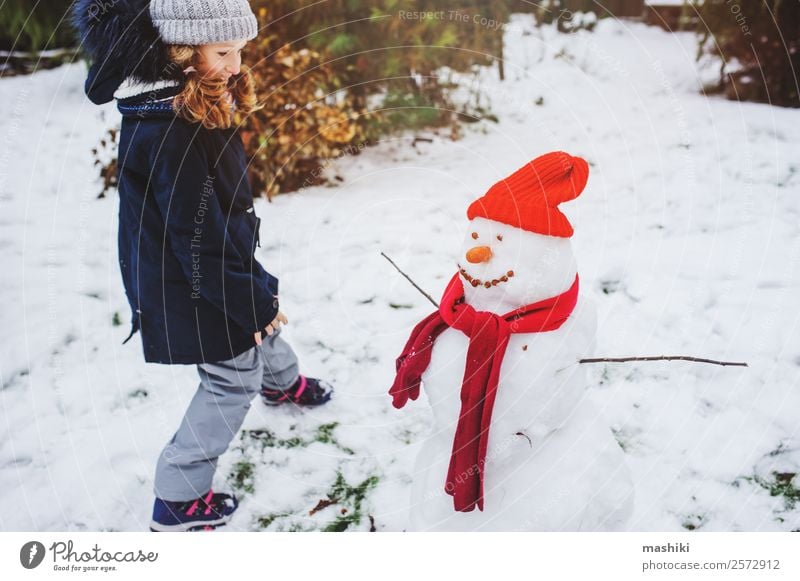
point(272, 327)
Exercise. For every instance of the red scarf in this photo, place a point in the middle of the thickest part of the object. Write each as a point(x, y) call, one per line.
point(488, 337)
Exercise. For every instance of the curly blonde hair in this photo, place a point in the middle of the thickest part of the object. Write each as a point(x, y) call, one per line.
point(209, 100)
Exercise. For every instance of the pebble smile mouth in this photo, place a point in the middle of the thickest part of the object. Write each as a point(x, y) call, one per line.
point(487, 283)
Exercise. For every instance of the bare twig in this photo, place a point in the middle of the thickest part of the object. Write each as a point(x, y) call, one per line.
point(411, 281)
point(527, 436)
point(599, 359)
point(661, 358)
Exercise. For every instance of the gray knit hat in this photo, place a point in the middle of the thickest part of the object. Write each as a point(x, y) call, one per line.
point(197, 22)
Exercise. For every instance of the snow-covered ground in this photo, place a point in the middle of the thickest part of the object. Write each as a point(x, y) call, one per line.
point(687, 238)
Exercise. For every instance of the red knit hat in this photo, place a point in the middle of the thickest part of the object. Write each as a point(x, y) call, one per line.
point(529, 197)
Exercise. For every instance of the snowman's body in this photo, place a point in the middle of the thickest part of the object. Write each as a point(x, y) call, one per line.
point(552, 462)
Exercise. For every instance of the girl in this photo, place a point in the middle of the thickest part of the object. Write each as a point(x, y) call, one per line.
point(188, 231)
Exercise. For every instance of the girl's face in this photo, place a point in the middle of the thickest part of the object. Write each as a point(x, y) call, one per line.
point(221, 60)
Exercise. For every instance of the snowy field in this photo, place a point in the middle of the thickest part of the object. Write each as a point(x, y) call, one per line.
point(687, 239)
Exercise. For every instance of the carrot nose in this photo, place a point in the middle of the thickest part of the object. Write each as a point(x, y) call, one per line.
point(479, 254)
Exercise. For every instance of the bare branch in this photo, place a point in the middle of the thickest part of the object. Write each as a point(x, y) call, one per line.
point(411, 281)
point(661, 358)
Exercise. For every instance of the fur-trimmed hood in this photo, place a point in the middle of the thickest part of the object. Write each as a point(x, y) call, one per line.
point(122, 44)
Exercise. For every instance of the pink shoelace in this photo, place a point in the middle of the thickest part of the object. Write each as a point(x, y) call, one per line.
point(206, 500)
point(296, 395)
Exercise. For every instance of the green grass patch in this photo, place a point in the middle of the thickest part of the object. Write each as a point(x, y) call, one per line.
point(779, 484)
point(350, 499)
point(242, 475)
point(324, 434)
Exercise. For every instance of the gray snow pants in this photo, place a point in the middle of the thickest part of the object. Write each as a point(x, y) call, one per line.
point(186, 465)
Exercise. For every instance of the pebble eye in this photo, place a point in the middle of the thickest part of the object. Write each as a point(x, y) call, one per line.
point(474, 235)
point(499, 236)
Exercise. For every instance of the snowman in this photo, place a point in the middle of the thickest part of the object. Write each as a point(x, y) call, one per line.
point(516, 444)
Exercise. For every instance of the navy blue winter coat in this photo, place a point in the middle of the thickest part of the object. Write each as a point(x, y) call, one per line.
point(187, 236)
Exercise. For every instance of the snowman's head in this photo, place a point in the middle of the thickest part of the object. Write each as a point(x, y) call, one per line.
point(517, 249)
point(503, 268)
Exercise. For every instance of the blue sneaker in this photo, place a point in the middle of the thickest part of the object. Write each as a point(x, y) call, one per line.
point(306, 391)
point(204, 513)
